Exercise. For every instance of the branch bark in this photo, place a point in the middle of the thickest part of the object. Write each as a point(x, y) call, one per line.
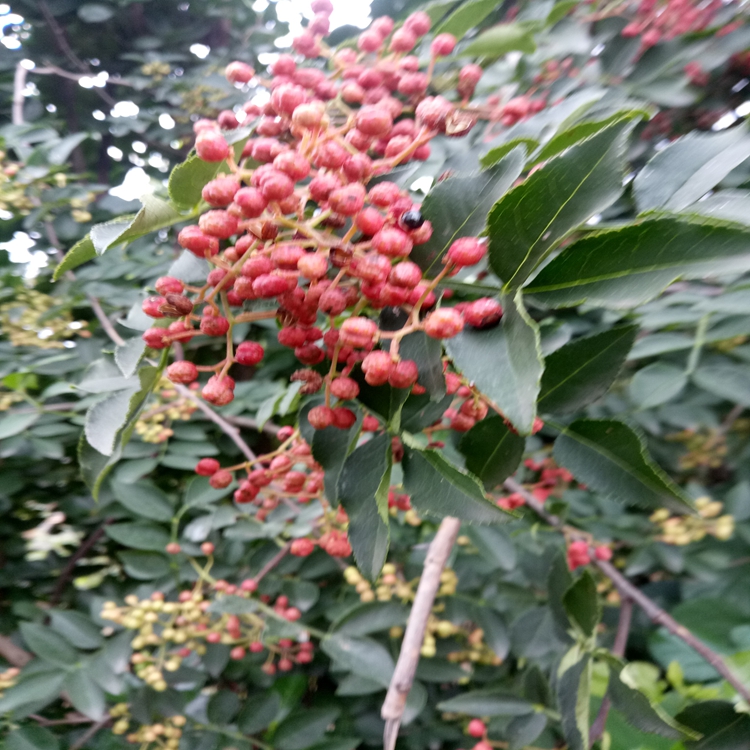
point(14, 655)
point(19, 84)
point(628, 591)
point(406, 666)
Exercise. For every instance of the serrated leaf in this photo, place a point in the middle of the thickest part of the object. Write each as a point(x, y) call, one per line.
point(493, 451)
point(504, 362)
point(382, 399)
point(188, 179)
point(258, 711)
point(36, 689)
point(642, 714)
point(363, 493)
point(688, 168)
point(656, 384)
point(48, 645)
point(421, 411)
point(581, 602)
point(330, 446)
point(610, 457)
point(466, 17)
point(490, 702)
point(14, 424)
point(143, 499)
point(439, 489)
point(729, 381)
point(428, 354)
point(494, 545)
point(528, 222)
point(523, 730)
point(144, 536)
point(499, 40)
point(82, 252)
point(304, 728)
point(573, 697)
point(458, 207)
point(106, 419)
point(129, 355)
point(370, 617)
point(581, 372)
point(494, 155)
point(144, 566)
point(76, 628)
point(362, 656)
point(626, 267)
point(85, 695)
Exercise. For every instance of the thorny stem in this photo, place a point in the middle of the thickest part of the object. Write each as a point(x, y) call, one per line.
point(628, 591)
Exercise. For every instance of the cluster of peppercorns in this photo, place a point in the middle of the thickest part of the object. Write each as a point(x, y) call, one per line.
point(552, 480)
point(171, 631)
point(579, 553)
point(165, 734)
point(389, 584)
point(682, 530)
point(706, 448)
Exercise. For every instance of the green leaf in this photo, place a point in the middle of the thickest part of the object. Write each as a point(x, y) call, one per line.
point(188, 179)
point(466, 17)
point(76, 628)
point(499, 40)
point(688, 168)
point(223, 707)
point(107, 418)
point(304, 728)
point(458, 207)
point(59, 153)
point(610, 457)
point(505, 363)
point(32, 737)
point(154, 215)
point(36, 689)
point(258, 711)
point(642, 714)
point(523, 730)
point(573, 697)
point(493, 451)
point(656, 384)
point(144, 536)
point(489, 702)
point(428, 354)
point(580, 131)
point(728, 381)
point(494, 155)
point(48, 645)
point(143, 499)
point(14, 424)
point(439, 489)
point(382, 399)
point(370, 617)
point(79, 254)
point(363, 492)
point(421, 411)
point(582, 371)
point(528, 222)
point(129, 355)
point(362, 656)
point(145, 566)
point(330, 447)
point(729, 205)
point(629, 266)
point(85, 695)
point(494, 545)
point(560, 10)
point(581, 602)
point(200, 493)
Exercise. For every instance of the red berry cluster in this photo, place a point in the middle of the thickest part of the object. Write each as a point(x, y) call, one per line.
point(657, 20)
point(579, 553)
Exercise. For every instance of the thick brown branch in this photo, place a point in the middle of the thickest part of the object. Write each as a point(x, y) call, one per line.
point(628, 591)
point(406, 666)
point(19, 84)
point(14, 655)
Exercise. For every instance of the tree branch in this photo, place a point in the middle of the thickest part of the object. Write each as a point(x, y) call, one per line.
point(406, 666)
point(67, 572)
point(14, 655)
point(232, 432)
point(621, 641)
point(628, 591)
point(105, 322)
point(252, 424)
point(272, 563)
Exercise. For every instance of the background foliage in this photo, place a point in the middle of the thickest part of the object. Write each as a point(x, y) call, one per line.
point(644, 170)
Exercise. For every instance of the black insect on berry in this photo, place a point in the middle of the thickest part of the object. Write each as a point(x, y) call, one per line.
point(411, 219)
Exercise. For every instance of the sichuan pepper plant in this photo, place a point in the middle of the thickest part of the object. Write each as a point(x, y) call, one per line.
point(430, 269)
